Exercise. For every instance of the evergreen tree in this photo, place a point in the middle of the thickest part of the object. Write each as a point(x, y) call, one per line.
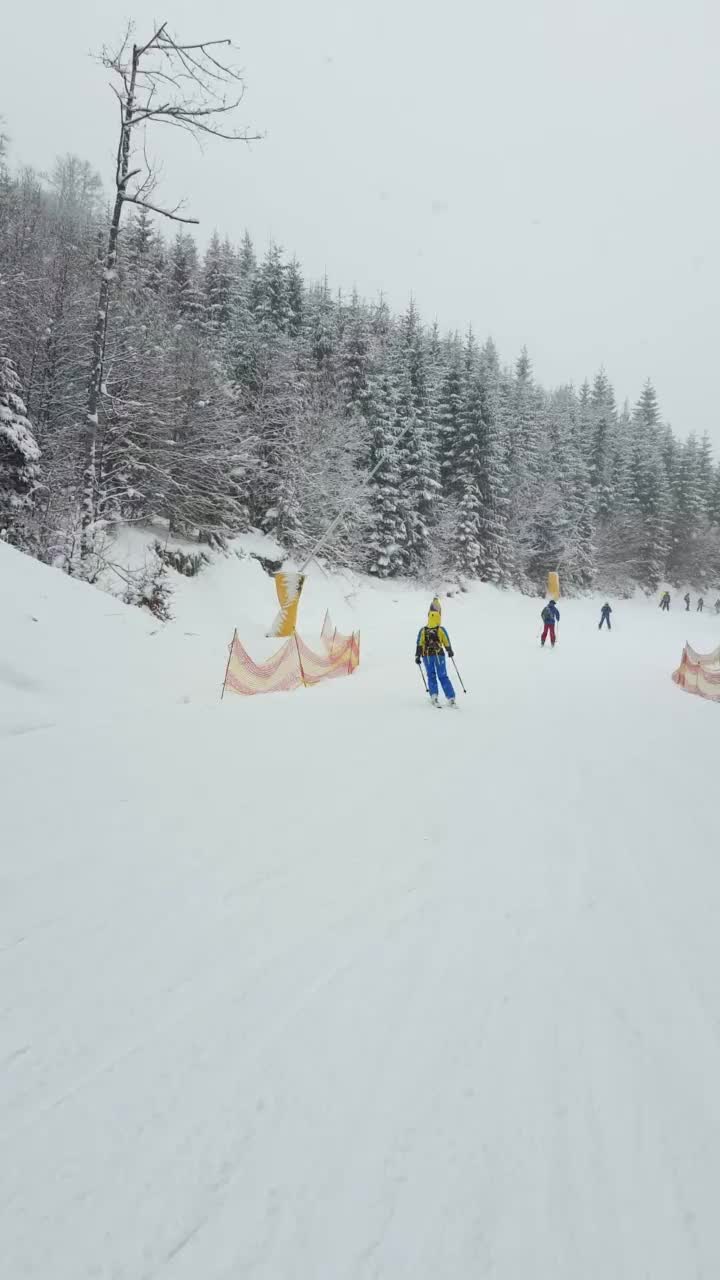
point(355, 358)
point(519, 408)
point(469, 465)
point(651, 490)
point(482, 543)
point(381, 321)
point(418, 439)
point(322, 331)
point(388, 536)
point(270, 294)
point(603, 417)
point(647, 409)
point(218, 280)
point(247, 260)
point(706, 473)
point(688, 514)
point(19, 453)
point(451, 395)
point(185, 295)
point(295, 299)
point(565, 534)
point(715, 499)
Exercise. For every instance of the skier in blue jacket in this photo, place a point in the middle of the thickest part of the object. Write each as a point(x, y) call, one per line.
point(550, 616)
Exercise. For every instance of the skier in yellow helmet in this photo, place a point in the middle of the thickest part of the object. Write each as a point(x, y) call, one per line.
point(433, 643)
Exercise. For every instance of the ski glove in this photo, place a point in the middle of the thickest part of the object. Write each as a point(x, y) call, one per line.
point(450, 653)
point(418, 658)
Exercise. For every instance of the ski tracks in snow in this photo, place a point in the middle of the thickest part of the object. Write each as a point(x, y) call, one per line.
point(317, 989)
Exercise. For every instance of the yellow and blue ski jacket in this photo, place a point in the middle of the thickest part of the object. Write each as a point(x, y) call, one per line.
point(432, 641)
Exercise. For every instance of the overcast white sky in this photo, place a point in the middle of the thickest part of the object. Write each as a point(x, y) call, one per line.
point(546, 170)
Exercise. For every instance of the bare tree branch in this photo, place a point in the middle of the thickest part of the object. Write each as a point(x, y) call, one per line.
point(172, 214)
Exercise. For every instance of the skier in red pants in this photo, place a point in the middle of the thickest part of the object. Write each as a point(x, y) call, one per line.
point(550, 616)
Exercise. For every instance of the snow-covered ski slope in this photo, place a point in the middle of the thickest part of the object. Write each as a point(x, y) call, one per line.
point(325, 986)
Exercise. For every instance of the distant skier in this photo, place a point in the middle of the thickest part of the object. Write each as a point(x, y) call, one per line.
point(550, 616)
point(433, 643)
point(665, 601)
point(700, 605)
point(686, 598)
point(605, 617)
point(717, 606)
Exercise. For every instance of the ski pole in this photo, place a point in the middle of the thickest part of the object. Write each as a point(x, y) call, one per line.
point(422, 677)
point(458, 675)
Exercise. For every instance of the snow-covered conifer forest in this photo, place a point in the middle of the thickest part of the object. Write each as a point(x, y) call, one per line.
point(237, 393)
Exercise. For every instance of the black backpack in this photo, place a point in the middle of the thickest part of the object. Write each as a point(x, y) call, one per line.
point(433, 643)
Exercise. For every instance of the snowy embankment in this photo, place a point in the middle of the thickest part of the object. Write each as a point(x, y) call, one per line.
point(329, 985)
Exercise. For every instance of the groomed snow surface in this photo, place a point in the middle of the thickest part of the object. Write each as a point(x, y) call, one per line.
point(332, 986)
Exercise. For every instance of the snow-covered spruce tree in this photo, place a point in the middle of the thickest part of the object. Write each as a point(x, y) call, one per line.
point(520, 410)
point(582, 560)
point(142, 266)
point(689, 543)
point(603, 420)
point(381, 323)
point(270, 297)
point(468, 461)
point(388, 535)
point(452, 392)
point(563, 524)
point(247, 259)
point(354, 358)
point(19, 456)
point(218, 286)
point(418, 437)
point(620, 554)
point(321, 338)
point(542, 530)
point(715, 499)
point(652, 490)
point(706, 474)
point(579, 567)
point(481, 529)
point(199, 456)
point(498, 553)
point(273, 409)
point(295, 298)
point(184, 287)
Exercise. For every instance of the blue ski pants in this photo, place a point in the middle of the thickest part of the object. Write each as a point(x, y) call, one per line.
point(436, 670)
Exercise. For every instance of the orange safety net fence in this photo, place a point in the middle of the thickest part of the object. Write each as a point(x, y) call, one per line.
point(699, 673)
point(338, 645)
point(293, 665)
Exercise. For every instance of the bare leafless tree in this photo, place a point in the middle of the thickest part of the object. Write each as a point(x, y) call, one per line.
point(186, 86)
